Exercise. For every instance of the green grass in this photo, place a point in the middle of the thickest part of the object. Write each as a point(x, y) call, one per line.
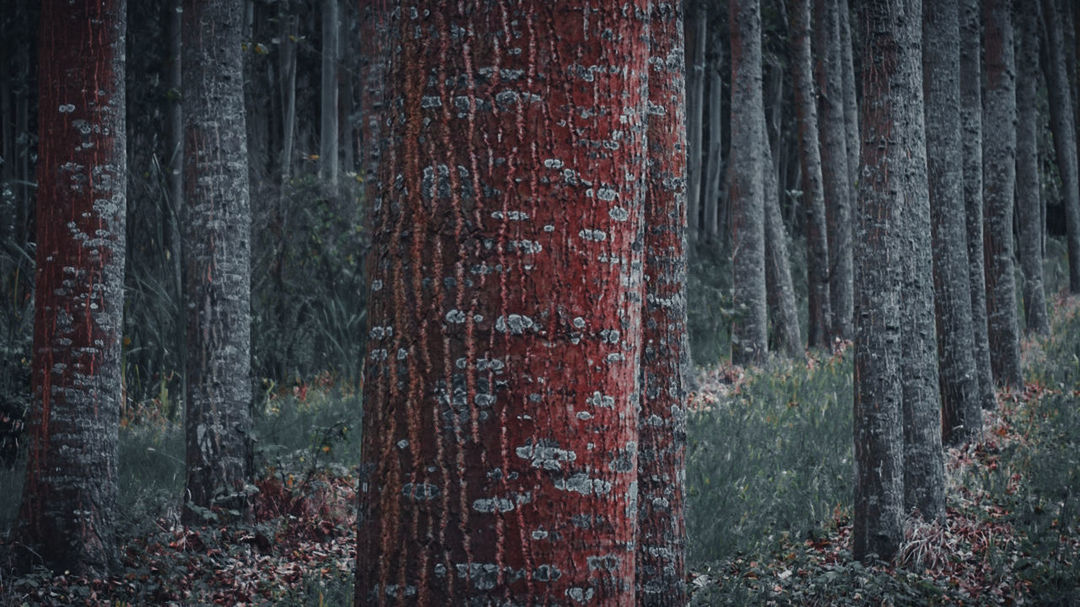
point(774, 459)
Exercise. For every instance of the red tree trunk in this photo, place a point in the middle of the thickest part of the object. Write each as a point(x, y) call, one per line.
point(500, 460)
point(662, 421)
point(68, 500)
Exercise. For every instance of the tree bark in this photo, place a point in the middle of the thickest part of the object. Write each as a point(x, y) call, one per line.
point(1028, 196)
point(67, 517)
point(328, 114)
point(961, 409)
point(660, 547)
point(834, 171)
point(971, 131)
point(1064, 129)
point(883, 190)
point(813, 200)
point(851, 106)
point(287, 83)
point(999, 171)
point(217, 254)
point(503, 359)
point(749, 338)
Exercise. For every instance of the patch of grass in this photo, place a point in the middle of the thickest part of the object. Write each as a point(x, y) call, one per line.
point(773, 459)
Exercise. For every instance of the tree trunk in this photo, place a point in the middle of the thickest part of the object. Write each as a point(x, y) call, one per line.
point(749, 338)
point(328, 114)
point(217, 253)
point(924, 466)
point(851, 106)
point(175, 200)
point(68, 501)
point(781, 291)
point(375, 25)
point(817, 250)
point(883, 192)
point(661, 543)
point(287, 72)
point(504, 348)
point(999, 171)
point(1064, 129)
point(695, 107)
point(961, 410)
point(834, 172)
point(1028, 196)
point(971, 138)
point(714, 180)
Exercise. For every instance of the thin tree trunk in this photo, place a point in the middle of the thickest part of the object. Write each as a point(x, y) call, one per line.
point(287, 71)
point(714, 180)
point(1028, 196)
point(175, 201)
point(504, 348)
point(834, 171)
point(749, 338)
point(999, 180)
point(696, 39)
point(217, 252)
point(1064, 129)
point(328, 115)
point(851, 106)
point(781, 291)
point(961, 409)
point(813, 200)
point(971, 138)
point(661, 542)
point(879, 391)
point(67, 517)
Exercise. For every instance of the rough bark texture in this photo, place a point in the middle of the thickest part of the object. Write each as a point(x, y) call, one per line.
point(328, 114)
point(375, 27)
point(781, 291)
point(924, 467)
point(217, 254)
point(961, 409)
point(999, 179)
point(696, 38)
point(813, 200)
point(879, 440)
point(834, 172)
point(971, 131)
point(851, 107)
point(1064, 129)
point(500, 392)
point(749, 337)
point(68, 502)
point(661, 543)
point(1028, 199)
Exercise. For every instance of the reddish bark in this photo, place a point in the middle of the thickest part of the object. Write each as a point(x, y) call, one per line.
point(500, 463)
point(68, 499)
point(662, 421)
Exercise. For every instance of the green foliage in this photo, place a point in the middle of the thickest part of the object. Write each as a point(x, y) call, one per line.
point(307, 290)
point(774, 458)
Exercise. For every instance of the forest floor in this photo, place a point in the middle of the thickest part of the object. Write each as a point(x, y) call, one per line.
point(1011, 537)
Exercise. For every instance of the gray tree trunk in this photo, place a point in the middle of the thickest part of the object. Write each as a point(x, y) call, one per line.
point(749, 337)
point(68, 512)
point(883, 192)
point(714, 180)
point(287, 67)
point(217, 254)
point(961, 409)
point(1063, 125)
point(924, 466)
point(1028, 195)
point(971, 131)
point(851, 107)
point(780, 289)
point(999, 181)
point(834, 171)
point(328, 114)
point(813, 200)
point(696, 39)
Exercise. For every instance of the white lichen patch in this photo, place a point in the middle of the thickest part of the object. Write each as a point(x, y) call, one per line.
point(582, 483)
point(545, 454)
point(601, 400)
point(515, 324)
point(593, 235)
